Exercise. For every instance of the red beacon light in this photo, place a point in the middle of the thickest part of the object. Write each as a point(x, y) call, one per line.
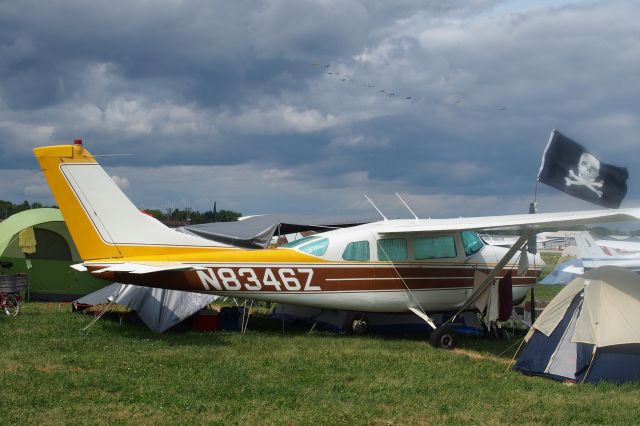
point(77, 142)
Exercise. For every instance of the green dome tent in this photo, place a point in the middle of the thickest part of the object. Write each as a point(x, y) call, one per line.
point(44, 252)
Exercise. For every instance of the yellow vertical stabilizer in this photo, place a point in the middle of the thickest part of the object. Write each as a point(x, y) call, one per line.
point(87, 240)
point(103, 222)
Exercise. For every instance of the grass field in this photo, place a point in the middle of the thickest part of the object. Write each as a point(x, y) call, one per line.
point(547, 292)
point(123, 373)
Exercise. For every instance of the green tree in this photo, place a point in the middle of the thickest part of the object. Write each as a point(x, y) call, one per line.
point(194, 216)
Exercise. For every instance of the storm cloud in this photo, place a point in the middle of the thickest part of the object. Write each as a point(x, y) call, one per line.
point(302, 106)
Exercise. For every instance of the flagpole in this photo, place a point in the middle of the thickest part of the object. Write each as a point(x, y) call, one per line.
point(532, 247)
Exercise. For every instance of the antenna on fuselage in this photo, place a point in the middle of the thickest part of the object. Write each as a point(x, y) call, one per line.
point(407, 206)
point(374, 206)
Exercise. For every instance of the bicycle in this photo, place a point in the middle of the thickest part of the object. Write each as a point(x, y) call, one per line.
point(10, 302)
point(10, 288)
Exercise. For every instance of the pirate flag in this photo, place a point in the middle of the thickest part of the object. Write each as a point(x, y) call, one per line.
point(570, 168)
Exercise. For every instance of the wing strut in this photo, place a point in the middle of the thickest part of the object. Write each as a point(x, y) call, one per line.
point(423, 315)
point(489, 279)
point(414, 305)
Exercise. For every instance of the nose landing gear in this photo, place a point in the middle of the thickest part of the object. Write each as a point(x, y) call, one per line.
point(443, 337)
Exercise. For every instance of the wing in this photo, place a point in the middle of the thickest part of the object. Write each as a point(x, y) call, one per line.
point(540, 222)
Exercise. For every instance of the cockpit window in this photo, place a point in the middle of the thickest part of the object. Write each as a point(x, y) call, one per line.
point(296, 243)
point(357, 250)
point(392, 249)
point(472, 243)
point(316, 248)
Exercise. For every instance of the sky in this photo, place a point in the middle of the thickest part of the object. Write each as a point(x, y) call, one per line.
point(303, 106)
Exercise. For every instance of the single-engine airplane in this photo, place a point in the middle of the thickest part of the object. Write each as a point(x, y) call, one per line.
point(418, 266)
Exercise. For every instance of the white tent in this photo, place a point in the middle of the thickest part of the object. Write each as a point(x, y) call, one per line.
point(590, 331)
point(159, 309)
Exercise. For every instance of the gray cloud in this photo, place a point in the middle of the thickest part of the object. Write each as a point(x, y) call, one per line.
point(448, 101)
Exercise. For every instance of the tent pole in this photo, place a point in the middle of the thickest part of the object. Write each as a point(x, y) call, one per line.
point(593, 355)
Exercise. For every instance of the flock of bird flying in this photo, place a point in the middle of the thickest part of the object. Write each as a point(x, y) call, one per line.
point(346, 78)
point(343, 77)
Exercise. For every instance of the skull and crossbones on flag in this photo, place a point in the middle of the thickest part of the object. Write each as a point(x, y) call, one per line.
point(572, 169)
point(588, 172)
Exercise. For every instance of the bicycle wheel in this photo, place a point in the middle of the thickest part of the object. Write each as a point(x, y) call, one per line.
point(11, 305)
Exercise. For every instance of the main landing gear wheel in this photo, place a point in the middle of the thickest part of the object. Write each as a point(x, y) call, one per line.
point(360, 326)
point(443, 338)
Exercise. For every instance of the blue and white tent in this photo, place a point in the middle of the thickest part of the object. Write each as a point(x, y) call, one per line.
point(590, 331)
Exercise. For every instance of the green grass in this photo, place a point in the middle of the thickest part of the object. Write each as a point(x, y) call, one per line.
point(550, 262)
point(547, 292)
point(123, 373)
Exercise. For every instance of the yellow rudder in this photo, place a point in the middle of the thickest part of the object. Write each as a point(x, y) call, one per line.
point(89, 243)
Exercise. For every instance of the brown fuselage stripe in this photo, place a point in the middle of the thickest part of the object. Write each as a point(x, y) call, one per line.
point(343, 278)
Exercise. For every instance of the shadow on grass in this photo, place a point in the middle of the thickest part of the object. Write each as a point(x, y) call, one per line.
point(183, 334)
point(113, 324)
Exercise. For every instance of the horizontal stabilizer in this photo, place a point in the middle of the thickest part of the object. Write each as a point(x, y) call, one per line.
point(147, 268)
point(79, 267)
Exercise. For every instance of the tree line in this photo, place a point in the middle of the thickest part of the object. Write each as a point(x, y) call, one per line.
point(193, 216)
point(7, 208)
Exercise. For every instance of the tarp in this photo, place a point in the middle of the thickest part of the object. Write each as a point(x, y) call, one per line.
point(257, 231)
point(590, 331)
point(159, 309)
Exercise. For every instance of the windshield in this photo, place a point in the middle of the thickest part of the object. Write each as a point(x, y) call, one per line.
point(472, 243)
point(296, 243)
point(316, 248)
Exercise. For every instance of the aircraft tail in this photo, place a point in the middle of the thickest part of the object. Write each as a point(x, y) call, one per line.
point(103, 222)
point(587, 246)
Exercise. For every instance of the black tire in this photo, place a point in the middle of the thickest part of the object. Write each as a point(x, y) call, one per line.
point(443, 338)
point(11, 305)
point(360, 326)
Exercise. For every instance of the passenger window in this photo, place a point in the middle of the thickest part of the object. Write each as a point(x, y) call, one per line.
point(434, 248)
point(316, 248)
point(472, 243)
point(392, 249)
point(358, 250)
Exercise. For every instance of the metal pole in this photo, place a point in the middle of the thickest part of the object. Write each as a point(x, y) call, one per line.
point(533, 240)
point(533, 249)
point(533, 306)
